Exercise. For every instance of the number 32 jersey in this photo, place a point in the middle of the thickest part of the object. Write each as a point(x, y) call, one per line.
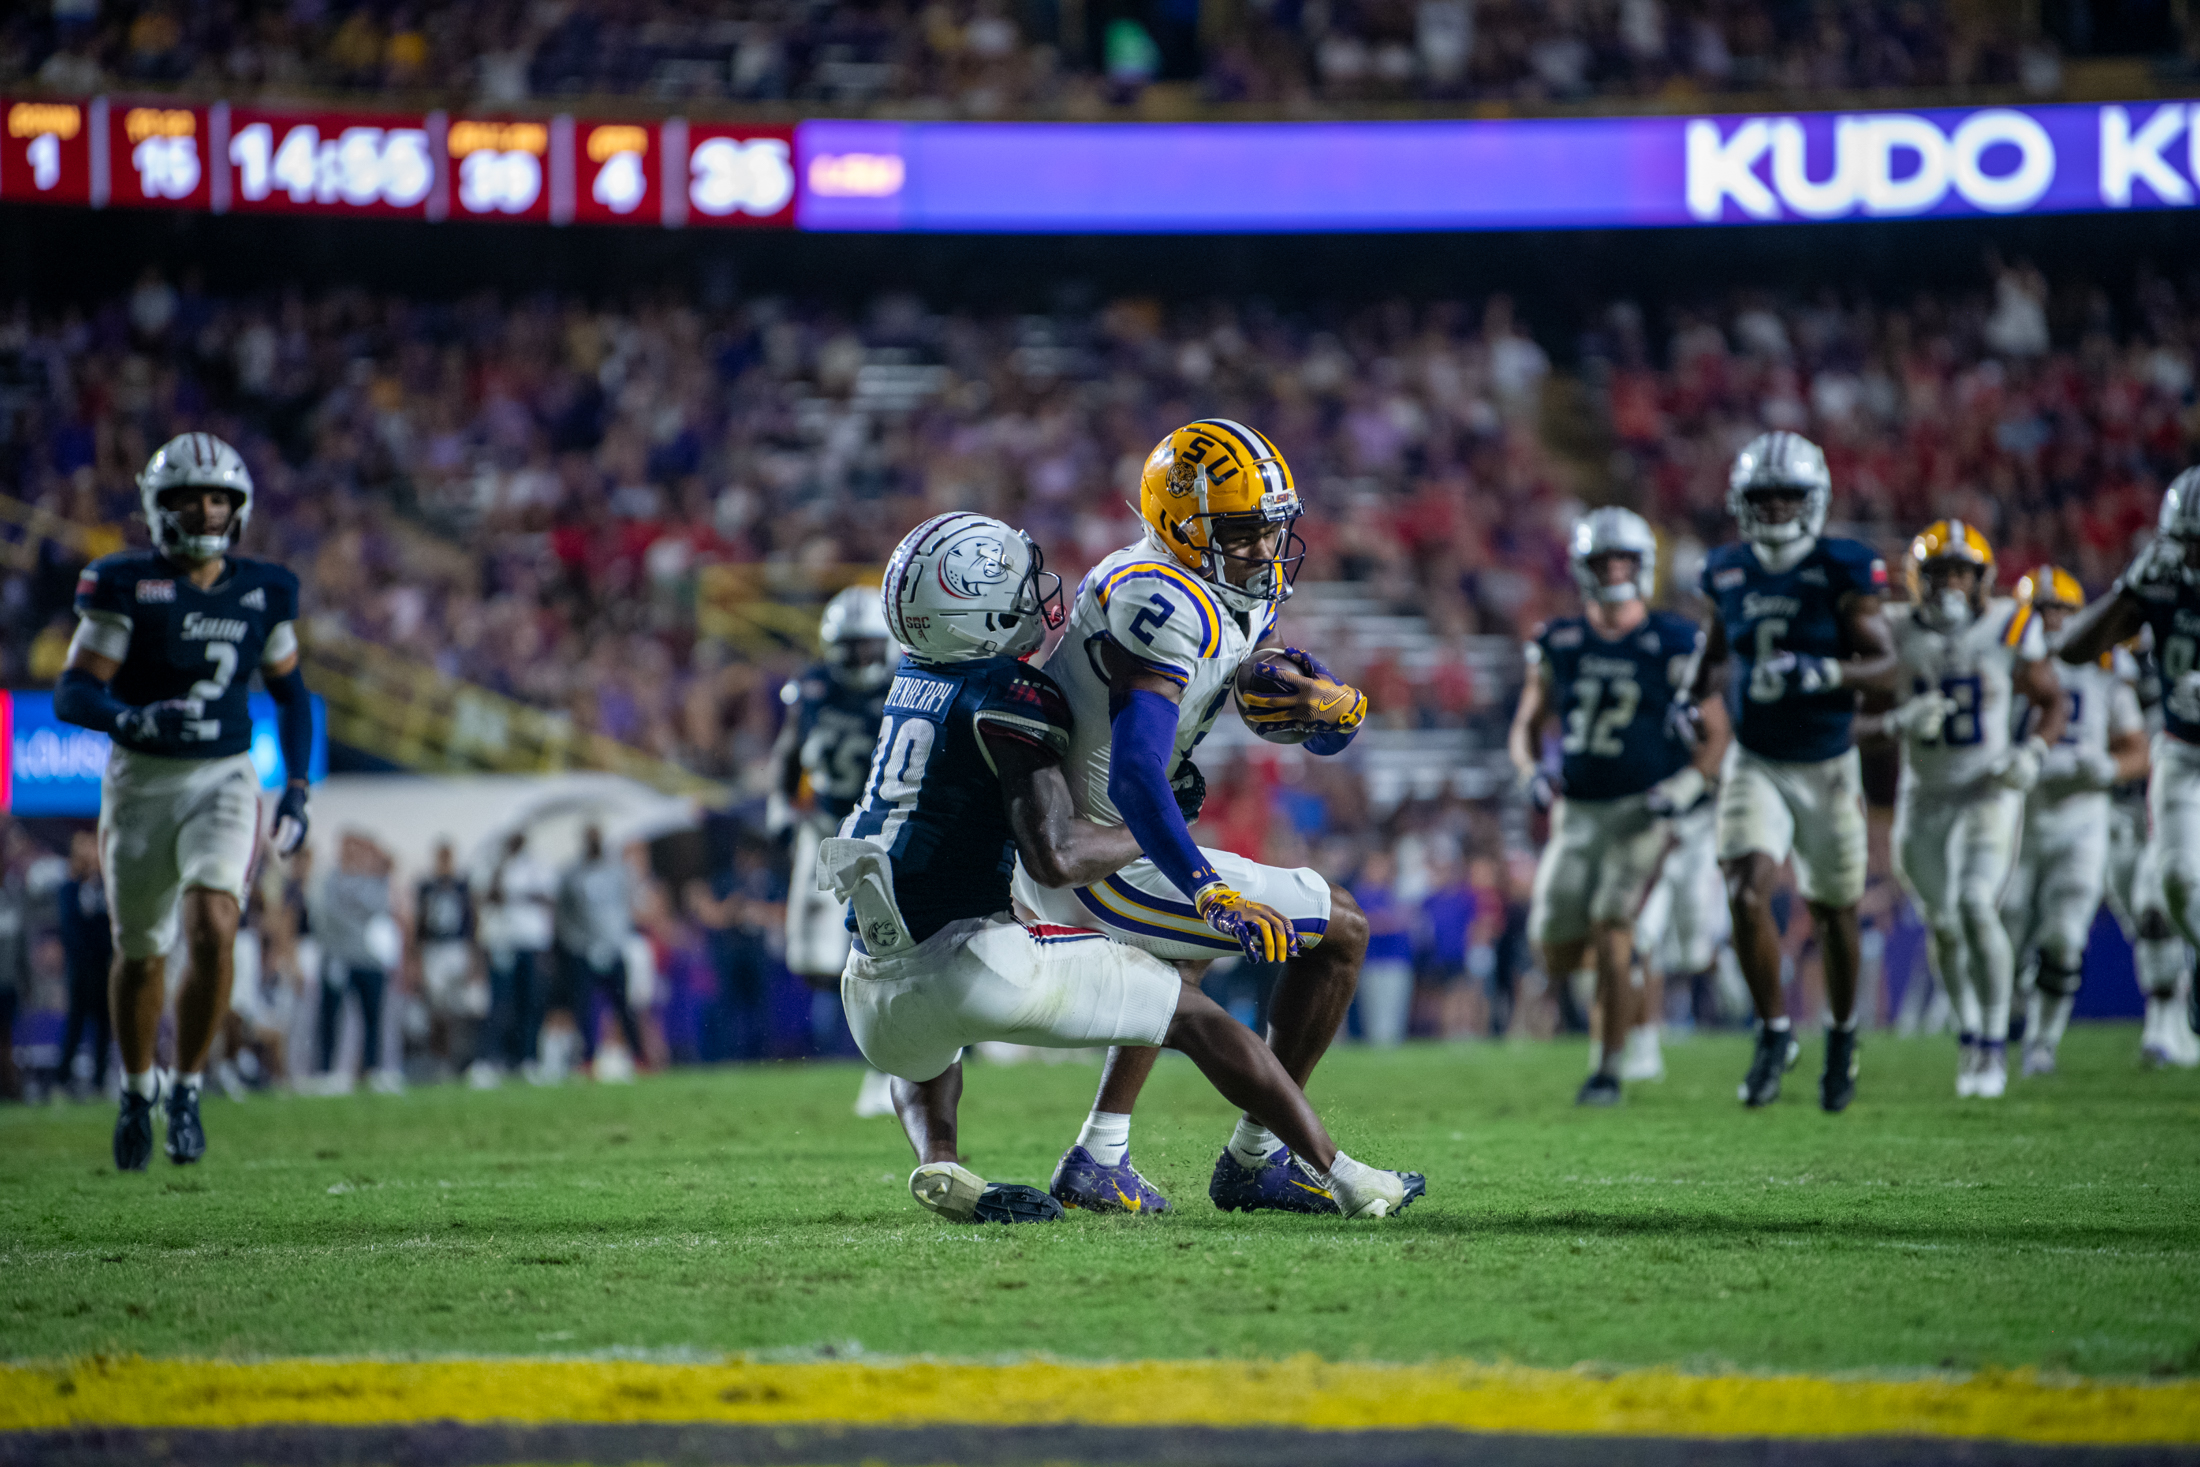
point(1165, 619)
point(177, 641)
point(1975, 669)
point(1765, 613)
point(1611, 696)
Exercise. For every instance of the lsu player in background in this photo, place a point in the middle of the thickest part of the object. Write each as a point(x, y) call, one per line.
point(825, 743)
point(2063, 857)
point(966, 786)
point(1618, 679)
point(2135, 895)
point(1959, 809)
point(1798, 632)
point(1156, 641)
point(2160, 591)
point(166, 643)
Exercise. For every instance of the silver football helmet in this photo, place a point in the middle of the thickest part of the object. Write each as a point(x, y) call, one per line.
point(963, 586)
point(851, 619)
point(194, 461)
point(1780, 461)
point(1613, 531)
point(2180, 519)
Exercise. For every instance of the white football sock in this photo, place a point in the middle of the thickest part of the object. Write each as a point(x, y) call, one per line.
point(1107, 1135)
point(192, 1081)
point(1251, 1143)
point(143, 1082)
point(2056, 1020)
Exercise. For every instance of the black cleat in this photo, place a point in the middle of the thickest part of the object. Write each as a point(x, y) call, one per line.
point(134, 1133)
point(186, 1137)
point(1598, 1089)
point(1837, 1086)
point(1013, 1202)
point(1775, 1056)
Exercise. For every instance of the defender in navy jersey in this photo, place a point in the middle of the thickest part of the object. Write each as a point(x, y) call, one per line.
point(825, 743)
point(1798, 632)
point(2160, 591)
point(166, 644)
point(967, 779)
point(1617, 679)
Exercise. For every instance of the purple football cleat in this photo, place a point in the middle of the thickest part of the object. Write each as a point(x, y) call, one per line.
point(1279, 1184)
point(1081, 1181)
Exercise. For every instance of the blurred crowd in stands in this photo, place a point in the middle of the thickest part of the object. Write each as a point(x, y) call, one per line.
point(536, 496)
point(982, 58)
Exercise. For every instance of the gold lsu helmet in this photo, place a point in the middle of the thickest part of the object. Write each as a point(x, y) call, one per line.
point(2051, 585)
point(1947, 540)
point(1214, 474)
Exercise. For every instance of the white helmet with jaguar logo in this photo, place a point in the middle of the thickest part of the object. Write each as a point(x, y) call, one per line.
point(963, 586)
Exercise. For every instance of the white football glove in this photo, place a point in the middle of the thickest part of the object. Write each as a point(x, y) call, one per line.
point(2095, 771)
point(2019, 768)
point(1805, 673)
point(1678, 793)
point(1921, 718)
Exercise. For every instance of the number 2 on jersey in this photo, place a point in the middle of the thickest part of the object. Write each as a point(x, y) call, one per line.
point(224, 657)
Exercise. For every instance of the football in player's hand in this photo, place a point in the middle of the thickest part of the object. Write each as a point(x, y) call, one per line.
point(1286, 697)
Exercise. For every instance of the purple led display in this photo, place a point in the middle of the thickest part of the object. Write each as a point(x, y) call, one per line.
point(1592, 172)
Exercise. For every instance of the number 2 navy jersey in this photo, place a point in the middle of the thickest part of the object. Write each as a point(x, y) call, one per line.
point(2173, 614)
point(1612, 695)
point(837, 726)
point(189, 643)
point(1766, 613)
point(933, 800)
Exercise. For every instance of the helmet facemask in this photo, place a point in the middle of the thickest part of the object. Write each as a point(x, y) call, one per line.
point(173, 510)
point(1804, 524)
point(1268, 577)
point(1038, 605)
point(1946, 606)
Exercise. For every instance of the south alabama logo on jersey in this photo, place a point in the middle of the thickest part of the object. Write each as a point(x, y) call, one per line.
point(970, 565)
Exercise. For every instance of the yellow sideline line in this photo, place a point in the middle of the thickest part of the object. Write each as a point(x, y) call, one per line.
point(1302, 1392)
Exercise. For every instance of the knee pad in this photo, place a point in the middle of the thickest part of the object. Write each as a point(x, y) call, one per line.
point(2161, 962)
point(2057, 980)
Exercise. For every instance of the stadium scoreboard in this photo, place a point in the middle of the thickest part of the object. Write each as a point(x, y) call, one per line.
point(673, 172)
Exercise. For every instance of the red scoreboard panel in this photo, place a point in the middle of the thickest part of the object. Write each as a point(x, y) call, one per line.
point(46, 153)
point(157, 157)
point(740, 175)
point(500, 169)
point(617, 172)
point(343, 163)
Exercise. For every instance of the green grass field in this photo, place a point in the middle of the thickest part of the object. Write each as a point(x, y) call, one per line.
point(747, 1210)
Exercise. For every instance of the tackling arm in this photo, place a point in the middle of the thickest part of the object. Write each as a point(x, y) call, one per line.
point(1058, 848)
point(2132, 755)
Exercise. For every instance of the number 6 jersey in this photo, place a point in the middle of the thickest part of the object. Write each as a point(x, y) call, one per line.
point(177, 641)
point(1975, 669)
point(1167, 621)
point(1611, 696)
point(1767, 612)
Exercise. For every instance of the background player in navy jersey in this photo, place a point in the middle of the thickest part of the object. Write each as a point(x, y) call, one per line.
point(833, 713)
point(968, 778)
point(1618, 679)
point(1798, 632)
point(166, 643)
point(2161, 590)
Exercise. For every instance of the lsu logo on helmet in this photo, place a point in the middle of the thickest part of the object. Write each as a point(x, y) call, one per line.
point(1211, 476)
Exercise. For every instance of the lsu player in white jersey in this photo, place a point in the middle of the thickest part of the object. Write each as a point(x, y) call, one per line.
point(1157, 637)
point(2063, 857)
point(2141, 905)
point(1964, 652)
point(2160, 591)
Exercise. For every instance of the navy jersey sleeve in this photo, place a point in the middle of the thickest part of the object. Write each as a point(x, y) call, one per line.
point(107, 587)
point(282, 595)
point(1025, 705)
point(1854, 567)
